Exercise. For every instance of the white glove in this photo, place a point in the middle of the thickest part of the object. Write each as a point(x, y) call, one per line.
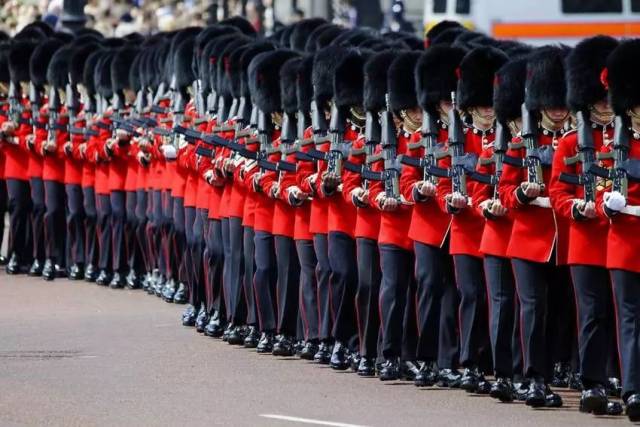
point(614, 201)
point(169, 151)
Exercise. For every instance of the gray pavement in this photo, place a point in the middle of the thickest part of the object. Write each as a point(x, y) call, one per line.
point(75, 354)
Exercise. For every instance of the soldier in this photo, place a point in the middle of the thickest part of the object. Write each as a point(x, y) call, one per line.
point(4, 87)
point(372, 74)
point(587, 98)
point(263, 79)
point(475, 97)
point(536, 243)
point(58, 77)
point(341, 215)
point(437, 296)
point(14, 132)
point(397, 290)
point(117, 150)
point(508, 96)
point(620, 206)
point(82, 66)
point(48, 141)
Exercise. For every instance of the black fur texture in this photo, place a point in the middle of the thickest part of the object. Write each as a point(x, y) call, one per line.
point(584, 66)
point(508, 90)
point(622, 76)
point(401, 83)
point(476, 75)
point(436, 75)
point(375, 80)
point(546, 85)
point(40, 59)
point(264, 79)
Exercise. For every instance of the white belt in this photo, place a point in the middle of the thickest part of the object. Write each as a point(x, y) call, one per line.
point(541, 202)
point(631, 210)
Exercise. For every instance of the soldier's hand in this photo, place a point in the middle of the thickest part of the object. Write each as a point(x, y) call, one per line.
point(330, 182)
point(275, 191)
point(256, 184)
point(457, 201)
point(298, 195)
point(122, 135)
point(496, 208)
point(386, 204)
point(426, 189)
point(48, 147)
point(30, 140)
point(312, 179)
point(614, 201)
point(8, 128)
point(208, 175)
point(361, 195)
point(586, 209)
point(228, 166)
point(531, 189)
point(68, 148)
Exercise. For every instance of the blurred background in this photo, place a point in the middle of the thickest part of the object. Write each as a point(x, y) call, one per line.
point(534, 21)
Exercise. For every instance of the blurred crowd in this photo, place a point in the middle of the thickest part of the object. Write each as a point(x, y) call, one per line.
point(121, 17)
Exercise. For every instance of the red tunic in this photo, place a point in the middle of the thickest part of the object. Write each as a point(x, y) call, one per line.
point(73, 159)
point(497, 231)
point(394, 225)
point(467, 225)
point(265, 205)
point(536, 230)
point(429, 224)
point(624, 229)
point(583, 234)
point(53, 168)
point(367, 218)
point(319, 206)
point(15, 154)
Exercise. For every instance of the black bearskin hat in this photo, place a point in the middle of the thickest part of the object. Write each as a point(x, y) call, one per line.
point(250, 52)
point(19, 53)
point(310, 43)
point(304, 86)
point(89, 70)
point(475, 80)
point(302, 31)
point(102, 75)
point(508, 89)
point(442, 26)
point(182, 63)
point(324, 67)
point(348, 80)
point(375, 80)
point(120, 66)
point(58, 70)
point(546, 86)
point(288, 79)
point(5, 76)
point(436, 75)
point(264, 79)
point(584, 66)
point(327, 37)
point(241, 24)
point(621, 76)
point(223, 65)
point(40, 59)
point(401, 82)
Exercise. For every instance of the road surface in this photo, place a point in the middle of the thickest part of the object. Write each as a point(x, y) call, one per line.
point(75, 354)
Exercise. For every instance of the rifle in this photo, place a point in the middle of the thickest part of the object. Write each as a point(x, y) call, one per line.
point(430, 146)
point(586, 156)
point(536, 157)
point(320, 137)
point(338, 149)
point(35, 101)
point(498, 159)
point(372, 136)
point(54, 108)
point(624, 169)
point(389, 154)
point(462, 163)
point(15, 107)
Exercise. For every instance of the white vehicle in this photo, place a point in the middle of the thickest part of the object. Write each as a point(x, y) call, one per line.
point(540, 21)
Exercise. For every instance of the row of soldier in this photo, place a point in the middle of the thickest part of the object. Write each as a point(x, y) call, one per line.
point(434, 210)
